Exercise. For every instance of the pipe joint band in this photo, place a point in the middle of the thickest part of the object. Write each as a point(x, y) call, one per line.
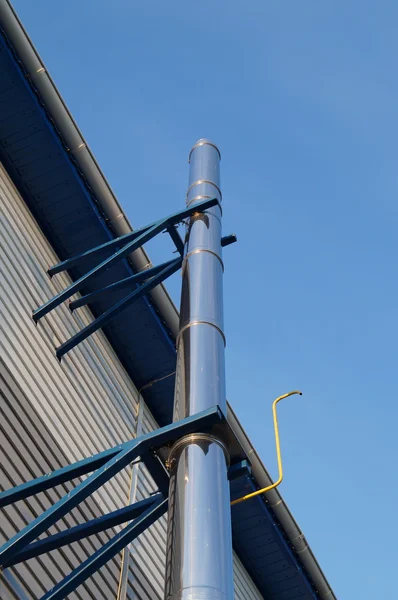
point(201, 197)
point(203, 143)
point(193, 323)
point(199, 251)
point(193, 438)
point(201, 181)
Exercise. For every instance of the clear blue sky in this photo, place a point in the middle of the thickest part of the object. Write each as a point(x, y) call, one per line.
point(301, 98)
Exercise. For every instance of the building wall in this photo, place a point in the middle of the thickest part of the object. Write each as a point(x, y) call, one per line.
point(55, 413)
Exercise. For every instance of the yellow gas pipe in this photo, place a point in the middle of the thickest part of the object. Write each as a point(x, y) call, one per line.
point(278, 452)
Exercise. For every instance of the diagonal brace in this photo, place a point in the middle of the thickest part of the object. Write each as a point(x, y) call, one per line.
point(40, 484)
point(119, 307)
point(123, 283)
point(67, 502)
point(108, 551)
point(112, 245)
point(117, 517)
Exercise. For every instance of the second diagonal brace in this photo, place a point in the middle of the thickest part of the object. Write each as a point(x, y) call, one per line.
point(120, 306)
point(117, 517)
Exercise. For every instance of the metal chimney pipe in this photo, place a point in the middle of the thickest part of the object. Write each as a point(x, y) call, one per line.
point(199, 545)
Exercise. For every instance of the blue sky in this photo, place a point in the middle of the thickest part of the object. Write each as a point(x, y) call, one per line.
point(301, 98)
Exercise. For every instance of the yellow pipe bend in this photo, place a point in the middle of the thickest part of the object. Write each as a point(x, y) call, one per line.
point(278, 452)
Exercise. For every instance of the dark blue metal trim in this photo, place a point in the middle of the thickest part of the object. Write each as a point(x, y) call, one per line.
point(115, 545)
point(79, 532)
point(292, 554)
point(239, 469)
point(288, 551)
point(118, 308)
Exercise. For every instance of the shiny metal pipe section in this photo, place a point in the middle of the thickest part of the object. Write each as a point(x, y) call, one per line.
point(199, 546)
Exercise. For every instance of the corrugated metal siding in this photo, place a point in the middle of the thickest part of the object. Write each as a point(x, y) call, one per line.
point(27, 451)
point(52, 413)
point(148, 552)
point(244, 586)
point(55, 413)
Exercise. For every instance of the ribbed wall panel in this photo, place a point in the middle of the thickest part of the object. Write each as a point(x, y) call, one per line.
point(243, 584)
point(52, 414)
point(148, 552)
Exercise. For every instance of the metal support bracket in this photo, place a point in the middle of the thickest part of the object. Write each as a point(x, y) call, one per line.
point(102, 466)
point(140, 283)
point(153, 449)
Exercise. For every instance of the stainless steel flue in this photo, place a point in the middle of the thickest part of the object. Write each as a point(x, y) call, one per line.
point(199, 548)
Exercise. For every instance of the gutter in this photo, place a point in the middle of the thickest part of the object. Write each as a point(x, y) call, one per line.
point(119, 225)
point(80, 152)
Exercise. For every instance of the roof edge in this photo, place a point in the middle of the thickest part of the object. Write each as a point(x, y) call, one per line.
point(80, 153)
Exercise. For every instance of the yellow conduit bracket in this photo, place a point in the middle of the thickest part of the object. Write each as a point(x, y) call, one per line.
point(278, 452)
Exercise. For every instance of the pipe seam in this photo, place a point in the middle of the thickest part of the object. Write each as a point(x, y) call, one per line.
point(202, 181)
point(192, 323)
point(199, 251)
point(191, 439)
